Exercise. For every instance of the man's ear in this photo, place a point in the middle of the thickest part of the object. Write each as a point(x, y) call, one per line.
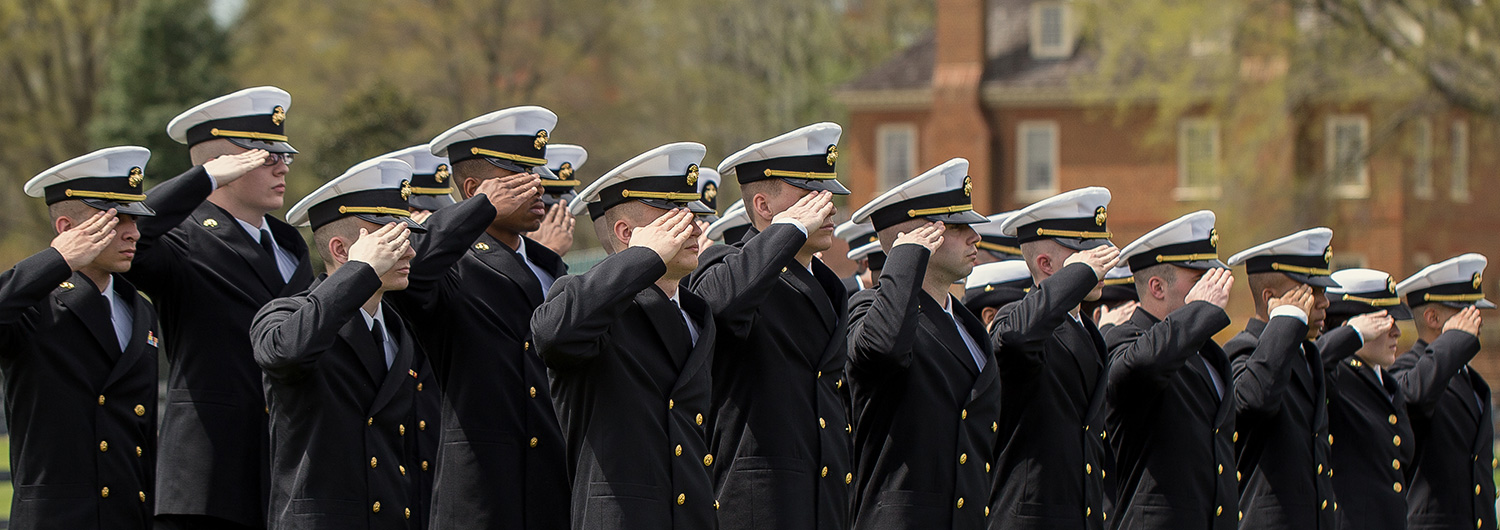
point(1044, 264)
point(987, 315)
point(1158, 287)
point(468, 187)
point(338, 249)
point(622, 231)
point(62, 224)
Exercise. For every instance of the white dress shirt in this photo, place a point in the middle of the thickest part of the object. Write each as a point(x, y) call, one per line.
point(285, 263)
point(692, 328)
point(541, 276)
point(963, 333)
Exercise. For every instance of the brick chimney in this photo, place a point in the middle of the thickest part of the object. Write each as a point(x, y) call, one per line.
point(956, 126)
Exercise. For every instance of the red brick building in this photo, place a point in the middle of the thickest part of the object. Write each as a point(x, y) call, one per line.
point(996, 83)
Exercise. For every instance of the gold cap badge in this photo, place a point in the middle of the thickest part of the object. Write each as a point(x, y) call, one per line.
point(833, 154)
point(1101, 214)
point(692, 174)
point(1213, 237)
point(968, 185)
point(565, 171)
point(441, 174)
point(1390, 284)
point(1328, 254)
point(1478, 279)
point(541, 139)
point(405, 190)
point(278, 115)
point(136, 177)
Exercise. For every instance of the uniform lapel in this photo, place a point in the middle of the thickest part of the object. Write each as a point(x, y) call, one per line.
point(835, 350)
point(1467, 391)
point(371, 355)
point(702, 352)
point(941, 326)
point(139, 334)
point(290, 239)
point(228, 231)
point(1220, 362)
point(545, 258)
point(991, 373)
point(394, 376)
point(507, 262)
point(667, 319)
point(804, 282)
point(1485, 434)
point(85, 301)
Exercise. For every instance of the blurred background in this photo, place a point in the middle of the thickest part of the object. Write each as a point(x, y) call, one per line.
point(1374, 117)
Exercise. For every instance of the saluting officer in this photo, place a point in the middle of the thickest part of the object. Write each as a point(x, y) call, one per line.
point(78, 349)
point(210, 259)
point(995, 285)
point(1052, 460)
point(993, 244)
point(731, 226)
point(431, 190)
point(559, 177)
point(1279, 384)
point(502, 463)
point(1170, 403)
point(871, 259)
point(337, 361)
point(925, 385)
point(629, 352)
point(858, 235)
point(1366, 411)
point(1451, 476)
point(780, 430)
point(1117, 299)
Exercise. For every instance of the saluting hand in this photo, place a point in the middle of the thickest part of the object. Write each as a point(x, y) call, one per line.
point(1301, 297)
point(1213, 288)
point(512, 192)
point(812, 210)
point(421, 216)
point(556, 232)
point(666, 234)
point(929, 236)
point(1119, 315)
point(1101, 259)
point(1371, 325)
point(383, 248)
point(81, 244)
point(1467, 320)
point(226, 168)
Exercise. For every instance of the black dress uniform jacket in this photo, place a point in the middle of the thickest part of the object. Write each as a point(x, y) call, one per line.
point(339, 416)
point(502, 463)
point(208, 278)
point(1367, 418)
point(1170, 428)
point(81, 412)
point(427, 407)
point(1451, 475)
point(1051, 468)
point(780, 431)
point(1282, 445)
point(632, 391)
point(925, 414)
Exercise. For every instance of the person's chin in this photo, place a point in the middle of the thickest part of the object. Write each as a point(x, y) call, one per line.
point(1094, 295)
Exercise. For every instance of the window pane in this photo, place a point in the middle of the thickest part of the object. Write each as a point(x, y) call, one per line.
point(1421, 171)
point(1038, 152)
point(896, 156)
point(1052, 26)
point(1460, 178)
point(1199, 155)
point(1348, 149)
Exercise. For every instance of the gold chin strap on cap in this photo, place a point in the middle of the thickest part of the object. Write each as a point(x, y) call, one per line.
point(106, 195)
point(663, 195)
point(376, 210)
point(1453, 297)
point(248, 135)
point(1120, 281)
point(507, 156)
point(1377, 302)
point(430, 191)
point(800, 175)
point(997, 248)
point(560, 183)
point(1300, 270)
point(1170, 258)
point(1073, 234)
point(939, 211)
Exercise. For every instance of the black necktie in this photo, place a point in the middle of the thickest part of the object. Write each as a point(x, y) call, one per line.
point(109, 318)
point(268, 243)
point(377, 332)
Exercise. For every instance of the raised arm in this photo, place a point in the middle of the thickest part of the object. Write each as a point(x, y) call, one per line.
point(883, 323)
point(289, 335)
point(1425, 376)
point(1022, 328)
point(158, 256)
point(1263, 373)
point(735, 282)
point(1150, 357)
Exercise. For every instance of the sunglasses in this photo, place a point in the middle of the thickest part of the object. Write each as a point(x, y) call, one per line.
point(273, 158)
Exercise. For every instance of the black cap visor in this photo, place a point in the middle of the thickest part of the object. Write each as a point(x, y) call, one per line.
point(830, 185)
point(138, 209)
point(273, 147)
point(431, 203)
point(383, 220)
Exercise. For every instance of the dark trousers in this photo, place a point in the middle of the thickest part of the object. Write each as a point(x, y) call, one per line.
point(195, 522)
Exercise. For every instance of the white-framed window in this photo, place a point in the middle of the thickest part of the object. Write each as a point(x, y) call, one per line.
point(1052, 30)
point(1421, 170)
point(896, 153)
point(1036, 160)
point(1197, 159)
point(1458, 139)
point(1347, 140)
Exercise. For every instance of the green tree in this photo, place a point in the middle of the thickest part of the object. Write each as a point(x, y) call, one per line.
point(170, 55)
point(377, 120)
